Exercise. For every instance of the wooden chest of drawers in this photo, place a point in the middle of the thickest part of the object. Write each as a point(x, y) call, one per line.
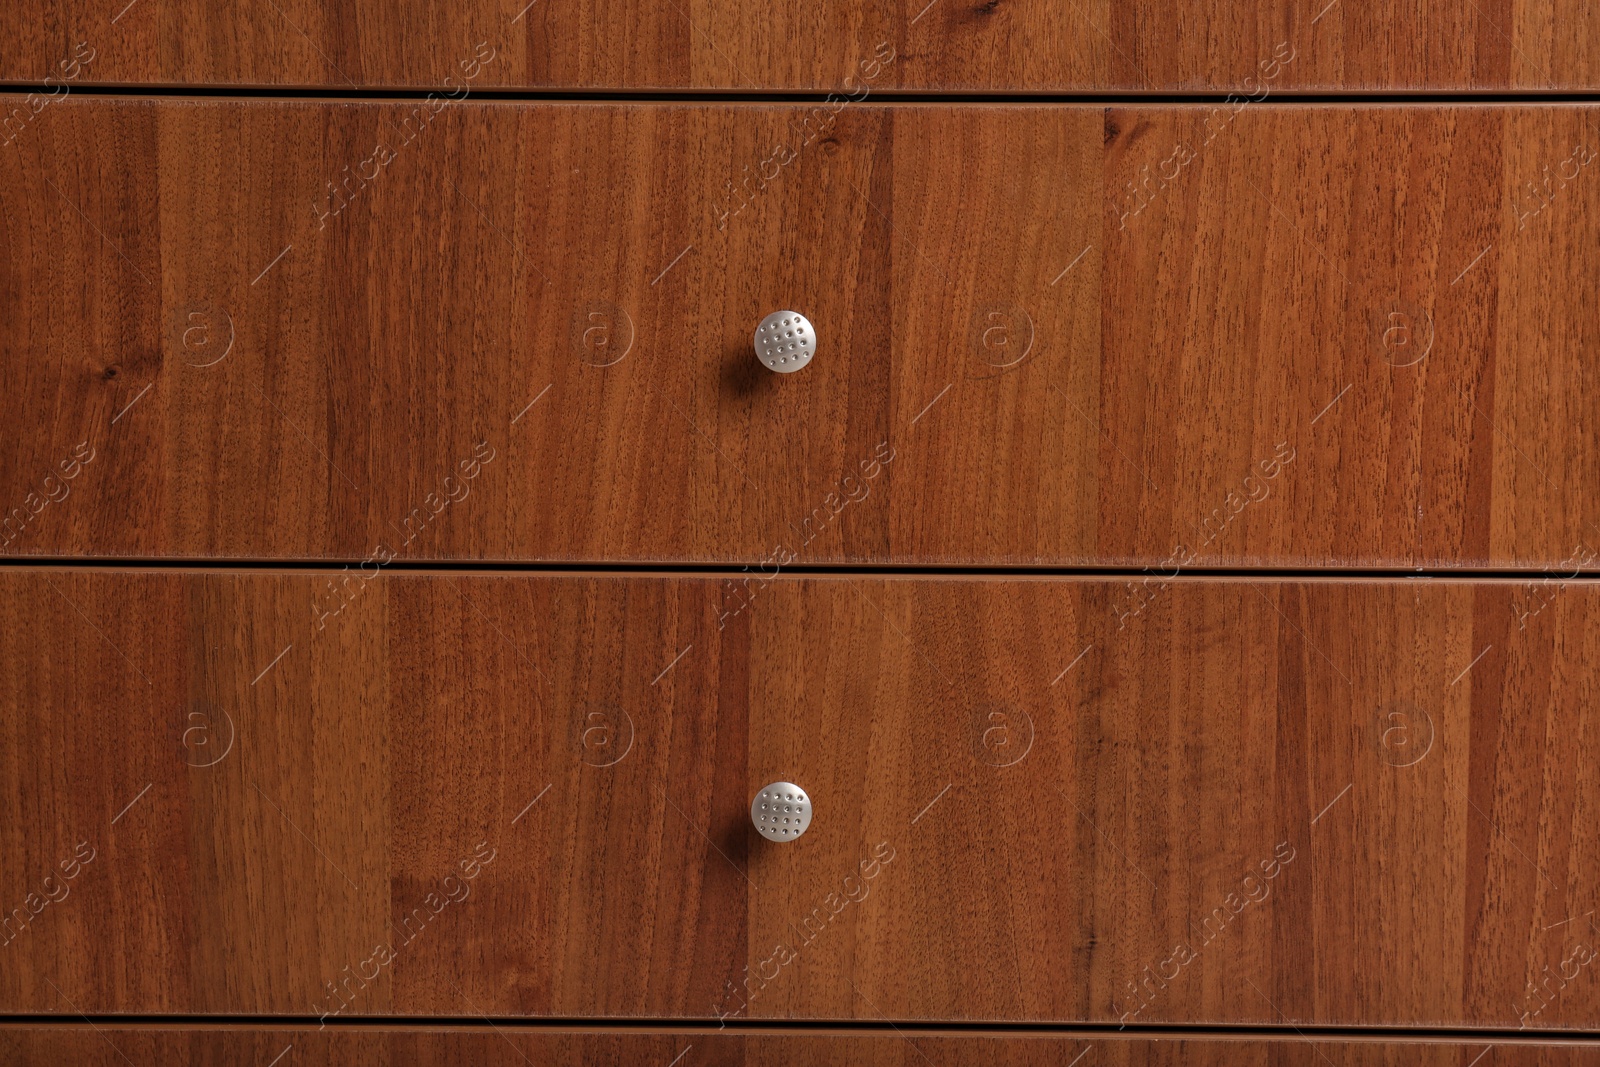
point(1171, 580)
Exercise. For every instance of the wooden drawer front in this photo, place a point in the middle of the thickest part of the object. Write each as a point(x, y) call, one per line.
point(1244, 46)
point(1036, 349)
point(509, 1047)
point(1246, 802)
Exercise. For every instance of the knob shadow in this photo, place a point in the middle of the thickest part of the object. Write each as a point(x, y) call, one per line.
point(743, 373)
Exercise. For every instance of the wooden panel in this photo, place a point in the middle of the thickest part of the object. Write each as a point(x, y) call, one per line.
point(1284, 336)
point(1391, 300)
point(510, 1047)
point(1265, 803)
point(295, 804)
point(784, 44)
point(413, 362)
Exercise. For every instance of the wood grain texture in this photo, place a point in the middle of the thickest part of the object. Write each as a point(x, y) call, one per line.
point(1269, 803)
point(509, 1047)
point(500, 255)
point(1286, 336)
point(1398, 296)
point(1014, 45)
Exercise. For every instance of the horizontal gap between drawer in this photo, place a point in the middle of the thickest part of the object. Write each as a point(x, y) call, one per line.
point(798, 97)
point(626, 569)
point(814, 1028)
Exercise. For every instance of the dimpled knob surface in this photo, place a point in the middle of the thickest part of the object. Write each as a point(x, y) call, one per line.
point(785, 341)
point(781, 811)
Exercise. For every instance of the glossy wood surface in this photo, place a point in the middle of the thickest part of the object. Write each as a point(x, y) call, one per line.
point(507, 1047)
point(1272, 803)
point(1285, 336)
point(1018, 45)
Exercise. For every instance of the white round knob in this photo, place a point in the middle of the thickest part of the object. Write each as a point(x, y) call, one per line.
point(785, 341)
point(781, 811)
